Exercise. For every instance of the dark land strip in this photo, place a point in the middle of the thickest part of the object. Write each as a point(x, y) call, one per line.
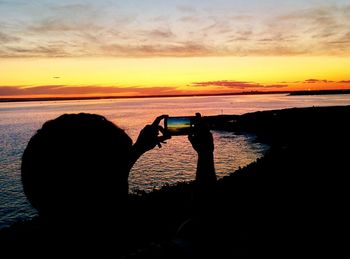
point(292, 93)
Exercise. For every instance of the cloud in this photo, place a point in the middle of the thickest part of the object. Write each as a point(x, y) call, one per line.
point(242, 35)
point(72, 8)
point(237, 84)
point(35, 51)
point(313, 81)
point(240, 17)
point(160, 18)
point(344, 82)
point(56, 25)
point(189, 19)
point(317, 30)
point(289, 82)
point(161, 33)
point(322, 28)
point(186, 8)
point(63, 90)
point(7, 38)
point(186, 49)
point(100, 30)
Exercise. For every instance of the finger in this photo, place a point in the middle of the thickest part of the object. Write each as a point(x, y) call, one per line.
point(201, 123)
point(148, 128)
point(158, 120)
point(197, 120)
point(163, 138)
point(166, 135)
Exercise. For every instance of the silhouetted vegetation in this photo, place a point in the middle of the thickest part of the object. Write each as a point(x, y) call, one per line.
point(321, 92)
point(290, 202)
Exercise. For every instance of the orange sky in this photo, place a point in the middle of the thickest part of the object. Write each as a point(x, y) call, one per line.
point(88, 48)
point(34, 77)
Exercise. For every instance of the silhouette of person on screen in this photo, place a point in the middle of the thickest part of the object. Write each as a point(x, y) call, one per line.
point(75, 173)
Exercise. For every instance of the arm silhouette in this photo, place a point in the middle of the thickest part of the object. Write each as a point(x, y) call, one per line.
point(203, 143)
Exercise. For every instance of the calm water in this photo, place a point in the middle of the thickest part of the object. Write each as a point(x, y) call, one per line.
point(174, 162)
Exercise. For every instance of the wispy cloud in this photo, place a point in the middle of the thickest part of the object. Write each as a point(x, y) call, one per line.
point(186, 8)
point(52, 50)
point(322, 28)
point(237, 84)
point(161, 33)
point(256, 86)
point(97, 30)
point(185, 49)
point(7, 38)
point(313, 81)
point(344, 82)
point(63, 90)
point(57, 25)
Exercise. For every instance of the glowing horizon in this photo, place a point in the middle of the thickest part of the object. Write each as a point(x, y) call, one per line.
point(118, 48)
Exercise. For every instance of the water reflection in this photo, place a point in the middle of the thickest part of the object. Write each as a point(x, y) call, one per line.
point(175, 162)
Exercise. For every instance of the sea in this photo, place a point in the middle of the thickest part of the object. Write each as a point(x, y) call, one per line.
point(174, 162)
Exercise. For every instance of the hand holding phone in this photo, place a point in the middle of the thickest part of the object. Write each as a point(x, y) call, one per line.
point(151, 135)
point(201, 137)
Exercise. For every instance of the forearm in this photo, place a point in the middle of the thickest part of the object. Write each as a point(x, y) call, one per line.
point(135, 154)
point(204, 194)
point(205, 175)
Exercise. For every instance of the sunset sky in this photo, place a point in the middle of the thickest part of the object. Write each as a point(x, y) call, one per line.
point(158, 47)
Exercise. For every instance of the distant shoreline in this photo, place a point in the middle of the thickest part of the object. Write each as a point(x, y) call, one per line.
point(320, 92)
point(291, 93)
point(128, 97)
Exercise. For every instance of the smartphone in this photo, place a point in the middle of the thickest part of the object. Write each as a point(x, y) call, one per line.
point(176, 126)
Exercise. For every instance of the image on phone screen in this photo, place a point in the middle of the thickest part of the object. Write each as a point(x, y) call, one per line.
point(176, 126)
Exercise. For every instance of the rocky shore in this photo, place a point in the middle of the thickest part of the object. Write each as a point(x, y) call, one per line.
point(290, 202)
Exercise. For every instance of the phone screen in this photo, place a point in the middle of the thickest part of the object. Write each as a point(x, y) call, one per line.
point(176, 126)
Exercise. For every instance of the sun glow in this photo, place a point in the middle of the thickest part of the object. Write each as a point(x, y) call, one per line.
point(115, 76)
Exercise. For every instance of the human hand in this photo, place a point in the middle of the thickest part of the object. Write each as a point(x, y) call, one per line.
point(149, 136)
point(201, 138)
